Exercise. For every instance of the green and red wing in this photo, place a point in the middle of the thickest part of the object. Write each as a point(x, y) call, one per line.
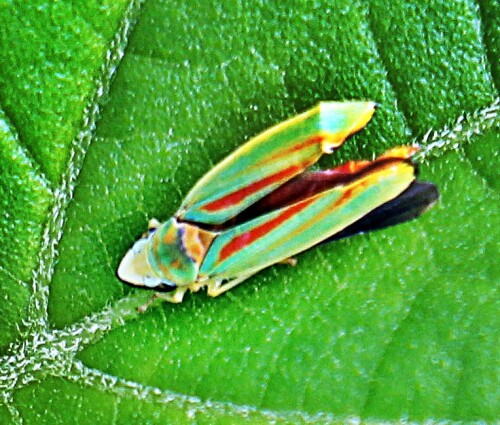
point(270, 159)
point(277, 235)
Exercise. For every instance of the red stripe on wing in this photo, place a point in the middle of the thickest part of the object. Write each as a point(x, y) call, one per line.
point(239, 195)
point(315, 140)
point(245, 239)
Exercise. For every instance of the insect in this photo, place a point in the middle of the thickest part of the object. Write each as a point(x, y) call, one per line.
point(260, 206)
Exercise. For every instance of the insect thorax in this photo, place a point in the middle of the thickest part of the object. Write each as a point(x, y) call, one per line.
point(177, 250)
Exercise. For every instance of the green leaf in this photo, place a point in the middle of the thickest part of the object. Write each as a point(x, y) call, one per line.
point(24, 201)
point(111, 113)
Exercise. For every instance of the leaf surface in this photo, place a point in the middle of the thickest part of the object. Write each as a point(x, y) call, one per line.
point(114, 111)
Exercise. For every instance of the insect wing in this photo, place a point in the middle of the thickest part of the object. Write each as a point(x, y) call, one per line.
point(410, 204)
point(268, 239)
point(270, 159)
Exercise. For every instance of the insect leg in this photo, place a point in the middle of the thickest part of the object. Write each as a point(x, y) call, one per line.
point(290, 261)
point(215, 288)
point(172, 297)
point(153, 224)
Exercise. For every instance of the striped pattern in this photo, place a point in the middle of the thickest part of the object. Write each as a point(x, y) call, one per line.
point(270, 159)
point(268, 239)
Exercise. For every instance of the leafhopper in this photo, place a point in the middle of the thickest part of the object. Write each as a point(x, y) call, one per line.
point(259, 206)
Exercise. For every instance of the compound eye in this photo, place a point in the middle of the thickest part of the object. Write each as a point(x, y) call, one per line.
point(165, 287)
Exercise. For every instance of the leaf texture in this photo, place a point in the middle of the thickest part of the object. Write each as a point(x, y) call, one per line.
point(112, 113)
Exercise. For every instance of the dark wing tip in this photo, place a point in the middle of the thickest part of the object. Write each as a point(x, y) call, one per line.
point(410, 204)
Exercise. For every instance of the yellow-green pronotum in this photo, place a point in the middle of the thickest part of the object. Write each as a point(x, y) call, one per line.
point(259, 206)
